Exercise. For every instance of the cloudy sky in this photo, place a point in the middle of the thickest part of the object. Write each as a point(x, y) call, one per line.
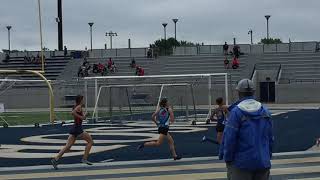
point(207, 21)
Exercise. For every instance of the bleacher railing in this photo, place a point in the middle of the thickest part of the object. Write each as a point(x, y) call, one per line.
point(311, 46)
point(268, 66)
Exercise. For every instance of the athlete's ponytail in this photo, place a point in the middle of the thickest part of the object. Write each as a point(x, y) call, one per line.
point(79, 98)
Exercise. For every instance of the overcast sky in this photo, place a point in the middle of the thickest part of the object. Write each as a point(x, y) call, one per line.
point(207, 21)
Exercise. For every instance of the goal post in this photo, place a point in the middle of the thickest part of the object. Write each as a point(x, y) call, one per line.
point(43, 79)
point(183, 91)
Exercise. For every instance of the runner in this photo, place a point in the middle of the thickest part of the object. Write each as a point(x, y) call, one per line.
point(165, 117)
point(76, 132)
point(219, 114)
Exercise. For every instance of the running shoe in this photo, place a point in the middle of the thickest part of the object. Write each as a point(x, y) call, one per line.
point(177, 158)
point(54, 163)
point(84, 161)
point(204, 139)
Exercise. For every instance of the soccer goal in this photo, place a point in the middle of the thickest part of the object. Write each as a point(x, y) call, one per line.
point(17, 97)
point(132, 98)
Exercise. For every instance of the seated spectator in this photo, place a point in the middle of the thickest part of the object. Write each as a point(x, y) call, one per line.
point(225, 48)
point(84, 70)
point(133, 63)
point(32, 59)
point(235, 63)
point(101, 67)
point(25, 59)
point(113, 68)
point(139, 71)
point(109, 63)
point(38, 59)
point(6, 58)
point(226, 63)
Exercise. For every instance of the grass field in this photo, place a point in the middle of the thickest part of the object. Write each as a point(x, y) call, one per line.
point(29, 118)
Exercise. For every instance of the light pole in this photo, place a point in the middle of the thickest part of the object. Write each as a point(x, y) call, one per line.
point(267, 17)
point(9, 46)
point(91, 24)
point(250, 32)
point(111, 34)
point(175, 28)
point(165, 30)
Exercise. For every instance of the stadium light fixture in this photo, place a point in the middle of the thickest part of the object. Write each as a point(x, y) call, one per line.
point(91, 24)
point(250, 33)
point(165, 30)
point(267, 18)
point(175, 28)
point(111, 34)
point(9, 46)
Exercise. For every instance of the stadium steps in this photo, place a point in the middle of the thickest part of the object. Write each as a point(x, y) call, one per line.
point(297, 66)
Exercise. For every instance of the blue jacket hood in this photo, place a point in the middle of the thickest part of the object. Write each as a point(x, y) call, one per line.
point(251, 107)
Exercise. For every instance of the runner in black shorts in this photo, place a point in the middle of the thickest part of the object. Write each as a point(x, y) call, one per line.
point(165, 117)
point(75, 132)
point(220, 114)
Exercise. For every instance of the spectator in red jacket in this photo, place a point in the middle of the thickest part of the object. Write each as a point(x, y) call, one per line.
point(235, 63)
point(109, 63)
point(139, 71)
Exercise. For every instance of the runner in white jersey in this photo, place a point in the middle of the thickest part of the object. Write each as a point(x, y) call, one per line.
point(163, 117)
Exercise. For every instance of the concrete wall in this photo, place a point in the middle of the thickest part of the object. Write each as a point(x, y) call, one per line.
point(257, 49)
point(205, 49)
point(270, 48)
point(296, 93)
point(283, 48)
point(125, 52)
point(245, 48)
point(303, 46)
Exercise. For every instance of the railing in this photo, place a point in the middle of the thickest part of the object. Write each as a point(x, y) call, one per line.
point(268, 66)
point(279, 74)
point(311, 46)
point(253, 71)
point(304, 80)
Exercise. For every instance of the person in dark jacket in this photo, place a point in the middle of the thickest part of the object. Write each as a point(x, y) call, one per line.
point(247, 139)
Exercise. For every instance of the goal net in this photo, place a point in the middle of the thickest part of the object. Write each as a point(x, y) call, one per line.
point(133, 98)
point(20, 99)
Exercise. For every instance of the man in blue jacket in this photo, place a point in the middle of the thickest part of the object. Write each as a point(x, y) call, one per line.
point(247, 139)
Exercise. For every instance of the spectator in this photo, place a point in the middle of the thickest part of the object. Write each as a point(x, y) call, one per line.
point(33, 59)
point(109, 63)
point(6, 58)
point(226, 63)
point(247, 139)
point(84, 69)
point(139, 71)
point(149, 53)
point(65, 51)
point(235, 63)
point(236, 51)
point(25, 59)
point(133, 63)
point(113, 68)
point(225, 48)
point(38, 59)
